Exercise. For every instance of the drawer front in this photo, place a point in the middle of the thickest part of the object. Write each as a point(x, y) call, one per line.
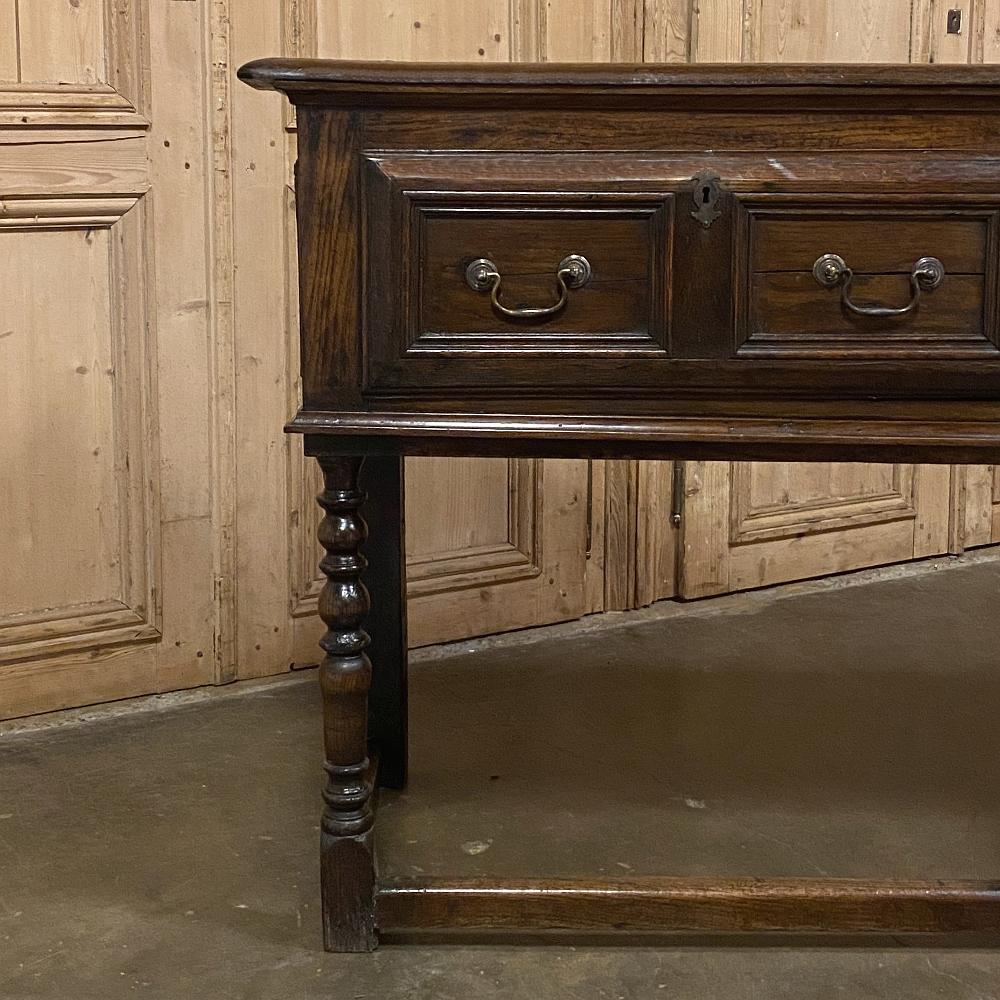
point(615, 300)
point(844, 281)
point(503, 274)
point(465, 288)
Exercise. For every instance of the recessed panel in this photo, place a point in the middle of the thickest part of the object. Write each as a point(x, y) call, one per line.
point(853, 281)
point(59, 502)
point(513, 265)
point(527, 247)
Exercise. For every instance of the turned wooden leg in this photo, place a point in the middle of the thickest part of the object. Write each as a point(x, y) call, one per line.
point(346, 852)
point(385, 578)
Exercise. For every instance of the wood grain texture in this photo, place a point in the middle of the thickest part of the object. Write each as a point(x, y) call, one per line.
point(776, 439)
point(328, 234)
point(800, 87)
point(385, 575)
point(9, 57)
point(63, 42)
point(691, 904)
point(346, 856)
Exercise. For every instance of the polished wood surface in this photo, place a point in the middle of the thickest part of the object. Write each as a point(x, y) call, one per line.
point(701, 196)
point(720, 314)
point(347, 863)
point(708, 905)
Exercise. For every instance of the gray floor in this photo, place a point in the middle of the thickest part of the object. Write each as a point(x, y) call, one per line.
point(848, 730)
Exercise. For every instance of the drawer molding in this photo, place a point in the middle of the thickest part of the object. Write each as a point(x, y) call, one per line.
point(781, 311)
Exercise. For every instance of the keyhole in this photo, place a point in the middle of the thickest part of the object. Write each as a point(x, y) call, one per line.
point(706, 193)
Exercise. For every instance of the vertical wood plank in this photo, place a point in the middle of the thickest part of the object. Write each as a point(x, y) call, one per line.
point(578, 31)
point(933, 486)
point(178, 151)
point(978, 512)
point(126, 44)
point(62, 41)
point(666, 31)
point(705, 530)
point(266, 365)
point(934, 44)
point(620, 498)
point(596, 522)
point(219, 231)
point(989, 31)
point(9, 68)
point(419, 30)
point(719, 29)
point(656, 536)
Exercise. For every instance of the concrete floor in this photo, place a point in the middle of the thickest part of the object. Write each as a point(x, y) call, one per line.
point(844, 730)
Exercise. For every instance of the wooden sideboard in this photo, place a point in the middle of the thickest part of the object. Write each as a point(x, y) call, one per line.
point(780, 263)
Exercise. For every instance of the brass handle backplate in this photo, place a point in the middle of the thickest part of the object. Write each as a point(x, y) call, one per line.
point(830, 271)
point(574, 271)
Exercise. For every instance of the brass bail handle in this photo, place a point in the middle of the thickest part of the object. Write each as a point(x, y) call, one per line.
point(831, 270)
point(574, 271)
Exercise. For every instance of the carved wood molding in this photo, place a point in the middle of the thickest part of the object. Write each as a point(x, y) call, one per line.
point(91, 106)
point(756, 523)
point(122, 101)
point(61, 212)
point(519, 558)
point(134, 614)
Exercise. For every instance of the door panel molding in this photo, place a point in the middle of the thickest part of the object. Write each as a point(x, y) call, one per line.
point(752, 523)
point(518, 558)
point(133, 616)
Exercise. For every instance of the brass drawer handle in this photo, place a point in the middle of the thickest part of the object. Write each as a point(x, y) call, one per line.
point(574, 272)
point(830, 270)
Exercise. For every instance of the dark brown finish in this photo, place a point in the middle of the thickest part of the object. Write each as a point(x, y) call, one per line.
point(702, 197)
point(690, 904)
point(385, 575)
point(346, 857)
point(786, 313)
point(694, 88)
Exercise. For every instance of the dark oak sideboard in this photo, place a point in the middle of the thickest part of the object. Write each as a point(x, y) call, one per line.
point(780, 263)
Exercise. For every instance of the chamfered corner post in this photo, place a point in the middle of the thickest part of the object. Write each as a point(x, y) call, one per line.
point(347, 860)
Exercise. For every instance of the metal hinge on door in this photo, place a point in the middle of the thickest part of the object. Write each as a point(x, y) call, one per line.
point(677, 495)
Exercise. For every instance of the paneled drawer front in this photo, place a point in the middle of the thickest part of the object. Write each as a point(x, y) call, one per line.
point(504, 269)
point(616, 302)
point(846, 281)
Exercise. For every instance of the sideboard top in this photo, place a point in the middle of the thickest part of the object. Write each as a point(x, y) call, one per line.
point(915, 88)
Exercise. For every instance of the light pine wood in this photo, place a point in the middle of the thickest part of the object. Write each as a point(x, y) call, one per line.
point(819, 31)
point(657, 537)
point(666, 31)
point(9, 68)
point(423, 31)
point(719, 31)
point(112, 494)
point(62, 42)
point(752, 524)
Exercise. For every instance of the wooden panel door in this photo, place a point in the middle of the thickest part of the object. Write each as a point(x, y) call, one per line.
point(105, 494)
point(752, 524)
